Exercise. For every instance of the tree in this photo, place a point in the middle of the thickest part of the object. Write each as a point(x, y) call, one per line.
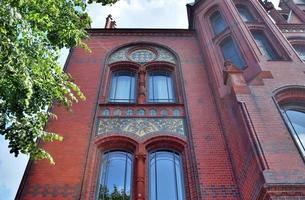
point(32, 32)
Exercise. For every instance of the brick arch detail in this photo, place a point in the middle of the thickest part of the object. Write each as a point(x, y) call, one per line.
point(112, 142)
point(289, 94)
point(165, 142)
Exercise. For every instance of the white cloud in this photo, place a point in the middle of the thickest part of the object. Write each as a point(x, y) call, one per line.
point(142, 14)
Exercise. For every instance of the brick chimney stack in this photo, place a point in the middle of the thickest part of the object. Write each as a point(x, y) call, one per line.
point(110, 23)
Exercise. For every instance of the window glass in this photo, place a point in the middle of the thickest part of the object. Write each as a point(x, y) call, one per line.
point(160, 87)
point(165, 176)
point(218, 23)
point(230, 52)
point(122, 87)
point(115, 176)
point(296, 123)
point(300, 49)
point(245, 13)
point(265, 46)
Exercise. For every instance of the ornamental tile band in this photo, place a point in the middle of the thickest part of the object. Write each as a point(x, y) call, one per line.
point(141, 126)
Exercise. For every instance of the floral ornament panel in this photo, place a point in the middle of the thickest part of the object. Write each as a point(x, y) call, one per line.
point(141, 126)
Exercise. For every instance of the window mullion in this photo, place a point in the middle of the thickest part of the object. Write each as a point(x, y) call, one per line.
point(167, 77)
point(116, 86)
point(130, 83)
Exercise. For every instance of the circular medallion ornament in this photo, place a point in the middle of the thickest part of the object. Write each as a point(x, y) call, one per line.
point(142, 56)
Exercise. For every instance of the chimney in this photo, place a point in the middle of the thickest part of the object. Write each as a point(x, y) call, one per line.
point(110, 23)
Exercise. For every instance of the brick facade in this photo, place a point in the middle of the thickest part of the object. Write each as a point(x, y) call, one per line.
point(233, 140)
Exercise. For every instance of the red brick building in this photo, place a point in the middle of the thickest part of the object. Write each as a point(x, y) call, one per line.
point(216, 111)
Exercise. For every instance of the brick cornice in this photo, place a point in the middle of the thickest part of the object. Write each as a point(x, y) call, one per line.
point(141, 32)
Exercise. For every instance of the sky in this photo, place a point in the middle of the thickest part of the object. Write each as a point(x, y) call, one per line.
point(127, 14)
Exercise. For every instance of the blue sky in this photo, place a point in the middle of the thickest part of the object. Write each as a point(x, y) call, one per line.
point(128, 14)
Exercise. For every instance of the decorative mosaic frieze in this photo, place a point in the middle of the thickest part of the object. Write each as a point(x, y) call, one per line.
point(141, 126)
point(142, 55)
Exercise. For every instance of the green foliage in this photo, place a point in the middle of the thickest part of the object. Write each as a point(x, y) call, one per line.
point(32, 32)
point(115, 195)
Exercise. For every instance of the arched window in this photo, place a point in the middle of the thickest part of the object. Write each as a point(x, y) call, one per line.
point(115, 176)
point(245, 13)
point(160, 87)
point(230, 52)
point(122, 87)
point(165, 176)
point(295, 119)
point(265, 46)
point(300, 49)
point(218, 23)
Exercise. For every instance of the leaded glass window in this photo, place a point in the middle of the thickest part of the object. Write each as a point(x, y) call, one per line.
point(231, 53)
point(115, 176)
point(300, 49)
point(122, 87)
point(160, 87)
point(245, 13)
point(218, 23)
point(165, 176)
point(295, 118)
point(265, 46)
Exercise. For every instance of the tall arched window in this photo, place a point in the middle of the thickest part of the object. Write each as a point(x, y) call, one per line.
point(160, 87)
point(295, 119)
point(115, 176)
point(218, 23)
point(265, 46)
point(245, 13)
point(230, 52)
point(300, 49)
point(122, 87)
point(165, 176)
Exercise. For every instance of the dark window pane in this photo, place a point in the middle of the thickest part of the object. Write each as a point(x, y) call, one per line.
point(218, 23)
point(230, 52)
point(300, 49)
point(245, 13)
point(160, 87)
point(165, 176)
point(296, 122)
point(265, 46)
point(115, 178)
